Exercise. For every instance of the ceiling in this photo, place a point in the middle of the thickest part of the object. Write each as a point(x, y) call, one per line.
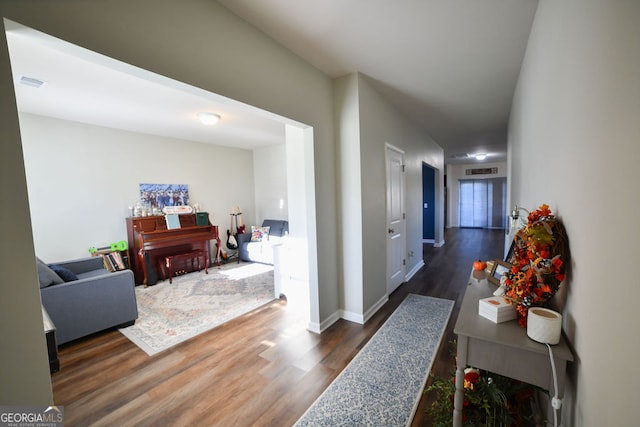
point(83, 86)
point(449, 65)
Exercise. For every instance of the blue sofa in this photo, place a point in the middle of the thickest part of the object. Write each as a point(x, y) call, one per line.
point(82, 297)
point(262, 251)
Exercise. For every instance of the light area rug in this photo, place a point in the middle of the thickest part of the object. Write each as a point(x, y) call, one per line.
point(169, 314)
point(383, 383)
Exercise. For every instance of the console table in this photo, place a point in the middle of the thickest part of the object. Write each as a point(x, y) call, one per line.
point(52, 345)
point(502, 348)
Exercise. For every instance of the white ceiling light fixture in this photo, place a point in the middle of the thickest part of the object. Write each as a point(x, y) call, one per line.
point(481, 156)
point(207, 118)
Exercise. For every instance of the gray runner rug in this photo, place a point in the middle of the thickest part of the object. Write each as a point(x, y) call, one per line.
point(383, 383)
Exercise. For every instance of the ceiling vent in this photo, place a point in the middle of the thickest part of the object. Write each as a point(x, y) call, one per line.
point(30, 81)
point(459, 156)
point(481, 171)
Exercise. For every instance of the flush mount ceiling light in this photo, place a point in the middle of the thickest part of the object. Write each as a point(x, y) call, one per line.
point(30, 81)
point(207, 118)
point(481, 156)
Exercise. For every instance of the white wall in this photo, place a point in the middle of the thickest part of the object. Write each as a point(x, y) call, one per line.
point(270, 184)
point(574, 144)
point(82, 179)
point(301, 283)
point(351, 218)
point(457, 172)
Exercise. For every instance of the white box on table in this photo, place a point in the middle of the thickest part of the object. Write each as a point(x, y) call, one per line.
point(497, 309)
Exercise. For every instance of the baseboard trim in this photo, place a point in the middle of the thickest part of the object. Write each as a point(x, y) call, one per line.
point(314, 327)
point(414, 270)
point(318, 328)
point(439, 244)
point(363, 318)
point(352, 317)
point(369, 313)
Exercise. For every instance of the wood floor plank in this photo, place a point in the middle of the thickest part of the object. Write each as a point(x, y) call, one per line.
point(121, 390)
point(262, 369)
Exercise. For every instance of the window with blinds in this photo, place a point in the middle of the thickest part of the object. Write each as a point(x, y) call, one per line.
point(483, 203)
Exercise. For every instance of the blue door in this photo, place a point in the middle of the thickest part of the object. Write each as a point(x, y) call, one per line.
point(428, 202)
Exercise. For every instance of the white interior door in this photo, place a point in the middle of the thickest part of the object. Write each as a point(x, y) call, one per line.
point(395, 218)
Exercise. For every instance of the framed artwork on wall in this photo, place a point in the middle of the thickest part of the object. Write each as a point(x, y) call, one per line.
point(161, 195)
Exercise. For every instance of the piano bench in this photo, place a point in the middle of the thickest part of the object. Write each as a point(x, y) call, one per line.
point(172, 260)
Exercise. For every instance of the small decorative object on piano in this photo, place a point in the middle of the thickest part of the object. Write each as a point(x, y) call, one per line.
point(202, 218)
point(497, 309)
point(177, 210)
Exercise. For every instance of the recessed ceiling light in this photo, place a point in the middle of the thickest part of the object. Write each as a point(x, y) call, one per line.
point(481, 156)
point(207, 118)
point(31, 81)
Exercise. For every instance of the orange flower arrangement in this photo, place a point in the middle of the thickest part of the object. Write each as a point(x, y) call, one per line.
point(541, 253)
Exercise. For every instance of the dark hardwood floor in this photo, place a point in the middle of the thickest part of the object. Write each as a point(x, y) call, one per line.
point(263, 369)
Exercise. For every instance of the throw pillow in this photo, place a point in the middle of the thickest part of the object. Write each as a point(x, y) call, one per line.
point(64, 273)
point(259, 233)
point(47, 276)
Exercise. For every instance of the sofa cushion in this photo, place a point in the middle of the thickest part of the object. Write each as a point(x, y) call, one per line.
point(258, 234)
point(64, 273)
point(93, 273)
point(259, 252)
point(277, 227)
point(47, 276)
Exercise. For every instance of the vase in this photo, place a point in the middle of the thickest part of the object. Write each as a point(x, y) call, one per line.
point(544, 325)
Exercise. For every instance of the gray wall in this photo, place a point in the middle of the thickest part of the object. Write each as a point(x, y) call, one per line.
point(574, 144)
point(367, 122)
point(24, 367)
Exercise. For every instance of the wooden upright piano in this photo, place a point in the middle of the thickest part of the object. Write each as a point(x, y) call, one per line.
point(150, 242)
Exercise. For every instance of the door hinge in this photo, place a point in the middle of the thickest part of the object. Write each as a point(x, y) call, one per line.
point(402, 168)
point(404, 262)
point(404, 215)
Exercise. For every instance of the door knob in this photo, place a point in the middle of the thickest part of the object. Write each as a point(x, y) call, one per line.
point(391, 231)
